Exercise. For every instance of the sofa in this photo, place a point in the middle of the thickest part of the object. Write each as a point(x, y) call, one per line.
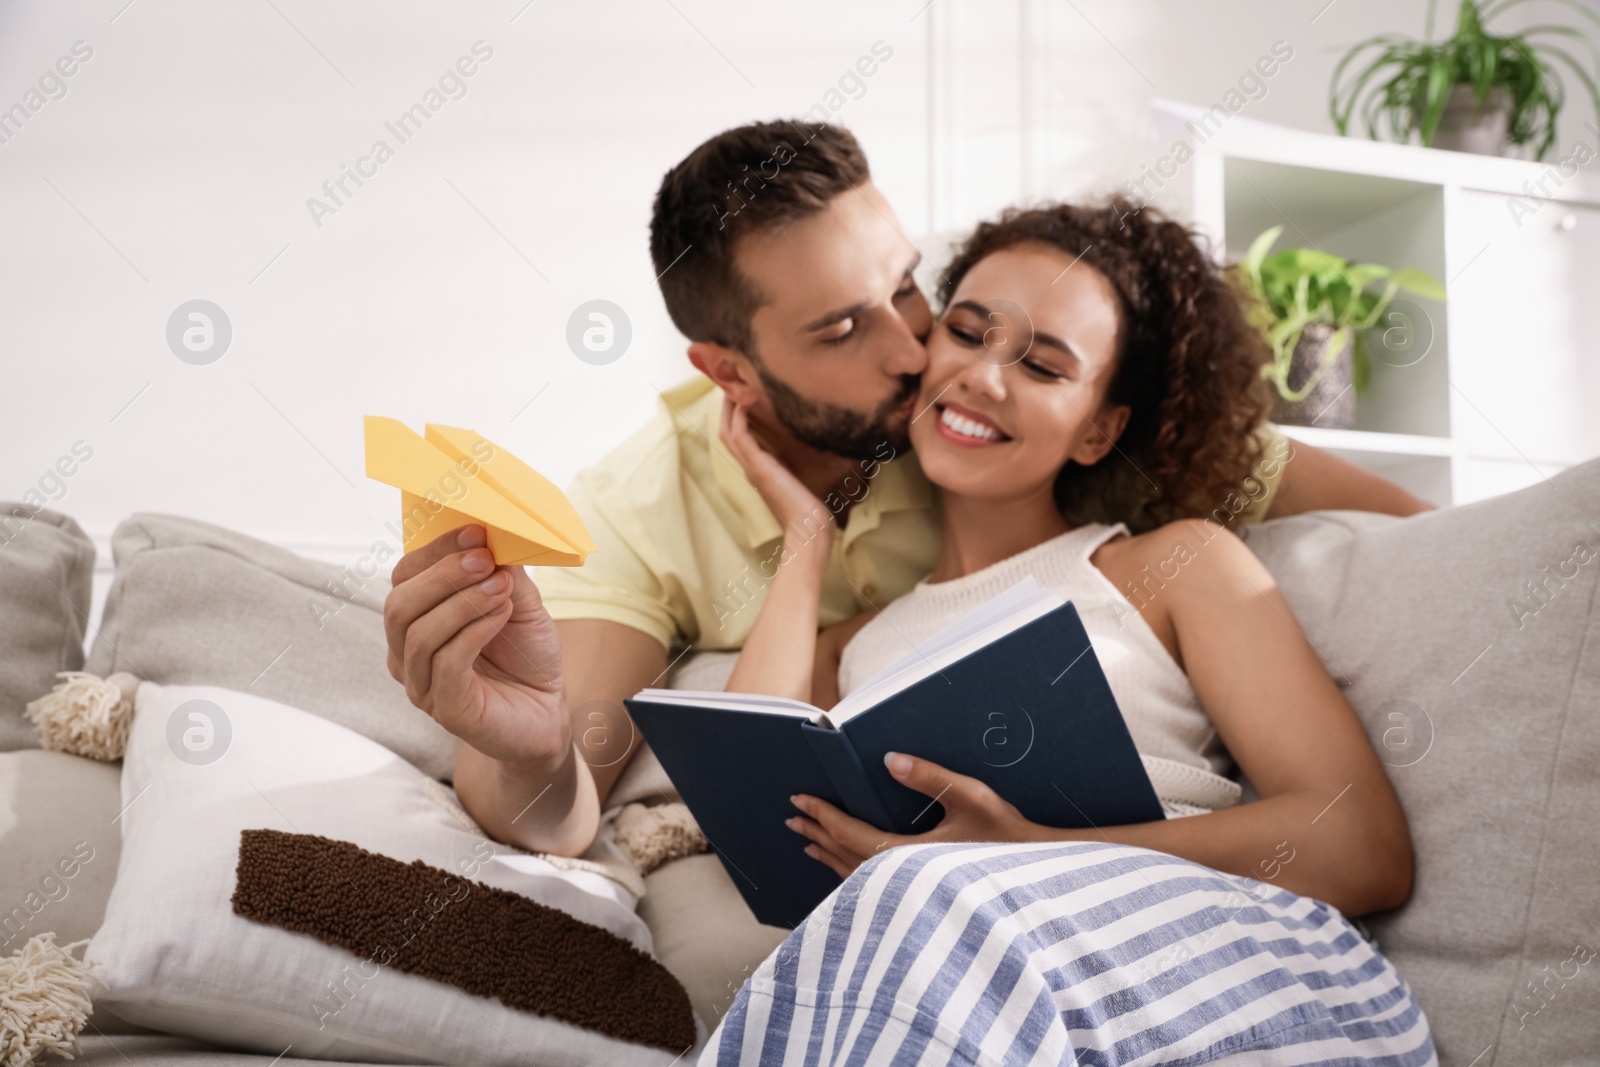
point(1466, 639)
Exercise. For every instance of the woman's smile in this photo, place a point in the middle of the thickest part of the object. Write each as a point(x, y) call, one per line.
point(967, 428)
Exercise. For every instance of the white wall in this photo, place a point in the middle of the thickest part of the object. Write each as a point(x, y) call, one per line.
point(179, 163)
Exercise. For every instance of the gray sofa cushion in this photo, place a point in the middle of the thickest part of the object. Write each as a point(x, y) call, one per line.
point(1484, 700)
point(46, 573)
point(704, 932)
point(197, 604)
point(59, 842)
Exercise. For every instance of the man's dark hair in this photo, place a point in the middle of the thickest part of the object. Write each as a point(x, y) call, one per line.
point(746, 179)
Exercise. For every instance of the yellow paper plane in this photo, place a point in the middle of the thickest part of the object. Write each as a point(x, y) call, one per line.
point(452, 477)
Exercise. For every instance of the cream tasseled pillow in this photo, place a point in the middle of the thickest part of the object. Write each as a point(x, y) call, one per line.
point(206, 766)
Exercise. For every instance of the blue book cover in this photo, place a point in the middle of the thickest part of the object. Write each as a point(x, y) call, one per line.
point(1028, 712)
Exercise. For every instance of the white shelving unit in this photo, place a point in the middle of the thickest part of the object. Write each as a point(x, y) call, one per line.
point(1496, 388)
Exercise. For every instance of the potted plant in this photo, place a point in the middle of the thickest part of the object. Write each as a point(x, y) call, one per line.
point(1315, 310)
point(1476, 92)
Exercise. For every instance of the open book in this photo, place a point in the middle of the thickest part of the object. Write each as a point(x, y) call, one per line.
point(1011, 694)
point(452, 477)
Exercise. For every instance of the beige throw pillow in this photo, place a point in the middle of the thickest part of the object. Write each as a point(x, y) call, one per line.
point(1469, 643)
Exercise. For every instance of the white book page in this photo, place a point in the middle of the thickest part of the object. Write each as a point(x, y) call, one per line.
point(1016, 607)
point(1015, 599)
point(716, 698)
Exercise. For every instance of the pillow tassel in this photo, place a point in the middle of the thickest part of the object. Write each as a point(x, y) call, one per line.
point(650, 836)
point(86, 715)
point(45, 999)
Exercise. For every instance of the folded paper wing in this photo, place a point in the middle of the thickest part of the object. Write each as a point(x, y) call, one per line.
point(453, 477)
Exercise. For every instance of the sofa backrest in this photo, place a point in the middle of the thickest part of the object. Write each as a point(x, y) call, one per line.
point(1470, 643)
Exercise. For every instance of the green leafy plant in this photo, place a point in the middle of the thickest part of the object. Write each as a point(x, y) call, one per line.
point(1290, 290)
point(1408, 82)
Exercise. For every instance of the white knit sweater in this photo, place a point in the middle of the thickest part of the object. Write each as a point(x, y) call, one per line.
point(1184, 757)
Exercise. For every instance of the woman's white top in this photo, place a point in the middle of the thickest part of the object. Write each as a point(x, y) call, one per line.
point(1184, 757)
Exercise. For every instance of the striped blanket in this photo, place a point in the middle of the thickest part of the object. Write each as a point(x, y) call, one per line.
point(1081, 953)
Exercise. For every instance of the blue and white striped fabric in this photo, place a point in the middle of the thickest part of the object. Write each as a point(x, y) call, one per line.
point(1081, 953)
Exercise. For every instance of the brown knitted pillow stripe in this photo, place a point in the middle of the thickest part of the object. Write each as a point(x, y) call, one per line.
point(479, 938)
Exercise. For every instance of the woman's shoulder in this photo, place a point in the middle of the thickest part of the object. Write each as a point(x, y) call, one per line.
point(1199, 545)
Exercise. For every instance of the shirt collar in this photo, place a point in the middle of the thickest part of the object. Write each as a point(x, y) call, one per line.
point(898, 485)
point(696, 406)
point(895, 485)
point(760, 525)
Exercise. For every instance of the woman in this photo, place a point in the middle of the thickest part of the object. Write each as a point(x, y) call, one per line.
point(1074, 338)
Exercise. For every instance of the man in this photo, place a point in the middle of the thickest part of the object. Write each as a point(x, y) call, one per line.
point(787, 270)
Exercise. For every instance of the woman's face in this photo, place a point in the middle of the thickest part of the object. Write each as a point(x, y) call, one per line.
point(1018, 370)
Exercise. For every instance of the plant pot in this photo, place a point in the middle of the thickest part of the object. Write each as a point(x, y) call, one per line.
point(1464, 127)
point(1332, 401)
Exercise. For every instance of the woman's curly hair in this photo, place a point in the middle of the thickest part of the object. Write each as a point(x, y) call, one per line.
point(1188, 364)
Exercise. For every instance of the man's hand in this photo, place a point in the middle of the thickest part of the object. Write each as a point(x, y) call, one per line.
point(475, 649)
point(972, 812)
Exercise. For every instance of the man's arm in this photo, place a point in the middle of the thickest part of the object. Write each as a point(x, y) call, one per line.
point(536, 704)
point(1314, 480)
point(606, 661)
point(537, 807)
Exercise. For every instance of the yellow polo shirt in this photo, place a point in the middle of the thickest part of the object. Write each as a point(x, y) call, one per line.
point(686, 547)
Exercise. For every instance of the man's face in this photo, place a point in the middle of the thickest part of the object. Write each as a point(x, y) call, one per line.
point(839, 337)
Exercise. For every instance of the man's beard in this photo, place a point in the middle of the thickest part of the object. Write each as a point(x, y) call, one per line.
point(831, 428)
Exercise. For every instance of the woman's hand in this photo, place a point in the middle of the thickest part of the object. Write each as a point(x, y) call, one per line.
point(795, 507)
point(972, 812)
point(780, 652)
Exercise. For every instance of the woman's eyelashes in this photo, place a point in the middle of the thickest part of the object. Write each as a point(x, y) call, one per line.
point(964, 334)
point(973, 331)
point(973, 336)
point(1042, 370)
